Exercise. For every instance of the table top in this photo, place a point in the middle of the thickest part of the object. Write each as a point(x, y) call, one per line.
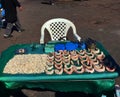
point(39, 49)
point(85, 82)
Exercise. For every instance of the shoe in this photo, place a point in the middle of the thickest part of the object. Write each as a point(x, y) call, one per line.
point(7, 36)
point(52, 4)
point(21, 30)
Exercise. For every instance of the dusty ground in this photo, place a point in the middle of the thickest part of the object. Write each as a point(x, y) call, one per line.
point(98, 19)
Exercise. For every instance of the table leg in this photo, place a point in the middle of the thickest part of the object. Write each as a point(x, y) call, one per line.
point(110, 94)
point(3, 90)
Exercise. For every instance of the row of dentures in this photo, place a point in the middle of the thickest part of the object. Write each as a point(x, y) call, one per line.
point(76, 62)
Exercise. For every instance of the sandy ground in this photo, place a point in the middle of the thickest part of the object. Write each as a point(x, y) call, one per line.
point(97, 19)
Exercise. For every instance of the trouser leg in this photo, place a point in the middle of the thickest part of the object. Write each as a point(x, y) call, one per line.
point(18, 25)
point(51, 1)
point(8, 29)
point(0, 22)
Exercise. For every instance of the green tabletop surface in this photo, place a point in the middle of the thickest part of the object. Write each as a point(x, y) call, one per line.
point(85, 82)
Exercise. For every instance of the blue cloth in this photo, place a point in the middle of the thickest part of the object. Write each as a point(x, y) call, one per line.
point(59, 47)
point(3, 12)
point(71, 46)
point(0, 5)
point(68, 46)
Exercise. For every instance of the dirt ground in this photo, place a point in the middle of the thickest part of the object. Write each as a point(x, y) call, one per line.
point(97, 19)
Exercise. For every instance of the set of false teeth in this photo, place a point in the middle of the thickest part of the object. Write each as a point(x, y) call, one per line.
point(76, 62)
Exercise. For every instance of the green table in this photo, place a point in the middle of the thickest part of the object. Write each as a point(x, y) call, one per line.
point(96, 83)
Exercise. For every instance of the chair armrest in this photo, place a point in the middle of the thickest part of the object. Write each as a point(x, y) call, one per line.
point(41, 41)
point(78, 37)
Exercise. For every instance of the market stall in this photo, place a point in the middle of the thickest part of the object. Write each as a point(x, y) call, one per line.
point(59, 66)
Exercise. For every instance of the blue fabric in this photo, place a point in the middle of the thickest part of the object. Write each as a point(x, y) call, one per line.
point(59, 47)
point(71, 46)
point(3, 12)
point(0, 6)
point(68, 46)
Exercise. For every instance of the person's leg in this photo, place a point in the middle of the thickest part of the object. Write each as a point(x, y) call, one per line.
point(18, 26)
point(51, 2)
point(8, 30)
point(0, 21)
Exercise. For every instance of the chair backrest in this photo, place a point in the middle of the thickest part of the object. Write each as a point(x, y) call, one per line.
point(58, 28)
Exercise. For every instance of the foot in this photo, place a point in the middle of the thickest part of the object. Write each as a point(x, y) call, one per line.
point(52, 3)
point(7, 36)
point(21, 30)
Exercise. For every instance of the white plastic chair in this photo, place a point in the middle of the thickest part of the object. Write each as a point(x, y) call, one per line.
point(58, 28)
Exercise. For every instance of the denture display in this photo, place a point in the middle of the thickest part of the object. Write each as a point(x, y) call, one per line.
point(77, 61)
